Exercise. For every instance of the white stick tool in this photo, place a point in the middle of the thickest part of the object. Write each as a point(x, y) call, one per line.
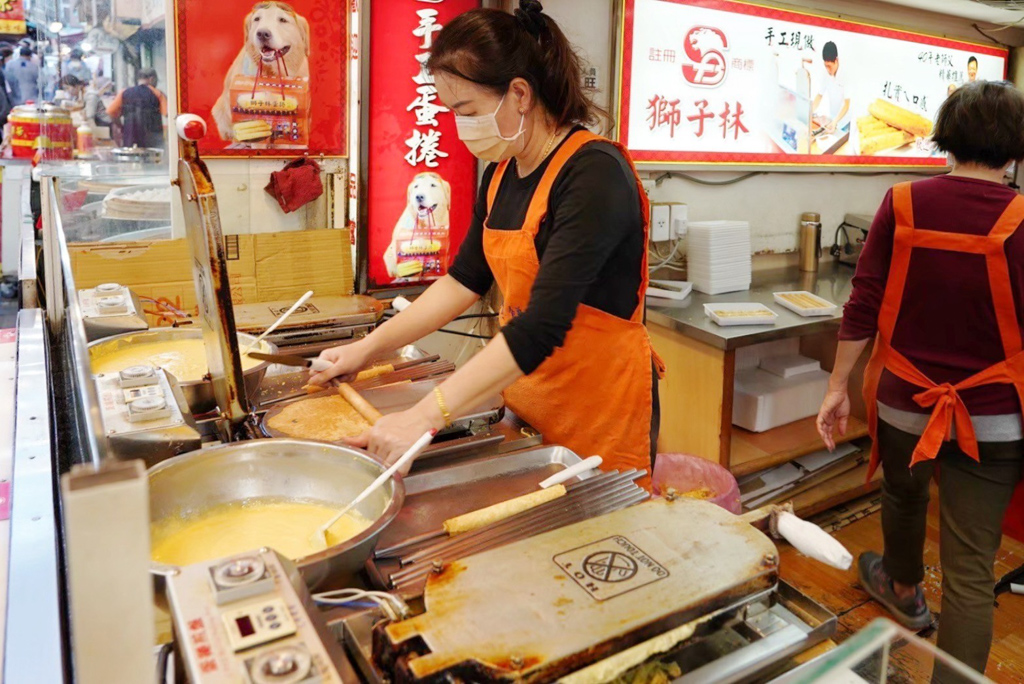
point(279, 321)
point(319, 537)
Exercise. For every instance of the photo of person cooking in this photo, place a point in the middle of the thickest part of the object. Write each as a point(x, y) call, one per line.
point(944, 388)
point(831, 88)
point(560, 226)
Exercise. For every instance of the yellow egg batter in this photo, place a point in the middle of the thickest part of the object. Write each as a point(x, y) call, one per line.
point(185, 359)
point(228, 529)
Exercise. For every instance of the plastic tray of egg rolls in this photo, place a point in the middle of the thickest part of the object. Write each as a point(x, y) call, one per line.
point(805, 303)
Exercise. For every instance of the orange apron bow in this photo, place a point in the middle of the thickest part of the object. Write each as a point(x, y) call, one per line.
point(948, 406)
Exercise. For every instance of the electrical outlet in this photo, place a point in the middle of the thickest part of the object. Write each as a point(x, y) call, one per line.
point(648, 185)
point(661, 224)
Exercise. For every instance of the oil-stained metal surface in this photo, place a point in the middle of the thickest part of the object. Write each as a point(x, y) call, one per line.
point(546, 606)
point(213, 291)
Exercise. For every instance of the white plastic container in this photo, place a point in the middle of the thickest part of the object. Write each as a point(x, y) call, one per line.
point(805, 303)
point(789, 366)
point(740, 313)
point(763, 401)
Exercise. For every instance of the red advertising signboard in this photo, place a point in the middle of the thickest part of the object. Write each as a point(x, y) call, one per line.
point(268, 77)
point(421, 179)
point(730, 82)
point(12, 17)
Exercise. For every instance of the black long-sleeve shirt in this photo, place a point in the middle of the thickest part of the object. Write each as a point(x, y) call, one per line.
point(590, 246)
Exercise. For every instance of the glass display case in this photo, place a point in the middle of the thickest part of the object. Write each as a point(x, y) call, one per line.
point(883, 652)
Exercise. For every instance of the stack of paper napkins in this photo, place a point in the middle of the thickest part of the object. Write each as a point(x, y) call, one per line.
point(718, 256)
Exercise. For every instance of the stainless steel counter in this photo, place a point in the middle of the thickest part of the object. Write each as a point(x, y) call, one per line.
point(833, 282)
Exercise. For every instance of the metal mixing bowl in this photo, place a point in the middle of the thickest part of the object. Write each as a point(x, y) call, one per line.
point(198, 393)
point(282, 469)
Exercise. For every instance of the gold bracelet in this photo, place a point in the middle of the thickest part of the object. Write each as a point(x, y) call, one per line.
point(443, 406)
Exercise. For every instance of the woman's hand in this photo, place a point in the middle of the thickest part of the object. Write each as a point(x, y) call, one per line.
point(395, 433)
point(834, 413)
point(345, 359)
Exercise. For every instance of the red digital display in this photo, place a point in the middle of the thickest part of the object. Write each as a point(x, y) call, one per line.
point(245, 627)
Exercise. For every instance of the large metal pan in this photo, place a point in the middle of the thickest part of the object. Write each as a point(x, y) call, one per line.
point(280, 469)
point(198, 393)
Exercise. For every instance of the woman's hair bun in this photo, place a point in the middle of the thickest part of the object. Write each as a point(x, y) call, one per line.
point(529, 15)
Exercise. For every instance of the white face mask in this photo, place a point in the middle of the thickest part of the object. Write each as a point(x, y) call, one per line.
point(482, 135)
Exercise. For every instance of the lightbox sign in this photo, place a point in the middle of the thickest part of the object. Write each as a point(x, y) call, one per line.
point(726, 82)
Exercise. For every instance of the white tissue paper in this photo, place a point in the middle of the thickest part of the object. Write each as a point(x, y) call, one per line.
point(812, 541)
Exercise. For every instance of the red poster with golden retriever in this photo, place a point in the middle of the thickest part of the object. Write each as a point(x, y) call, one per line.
point(268, 77)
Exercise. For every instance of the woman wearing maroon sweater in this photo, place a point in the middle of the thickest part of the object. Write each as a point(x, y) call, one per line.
point(940, 287)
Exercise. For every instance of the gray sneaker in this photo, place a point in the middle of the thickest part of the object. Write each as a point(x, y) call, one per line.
point(911, 612)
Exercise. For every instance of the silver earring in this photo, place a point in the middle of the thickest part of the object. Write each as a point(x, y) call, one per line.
point(521, 111)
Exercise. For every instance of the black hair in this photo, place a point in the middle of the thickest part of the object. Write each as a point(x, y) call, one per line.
point(982, 123)
point(77, 53)
point(830, 52)
point(147, 75)
point(490, 48)
point(26, 51)
point(972, 60)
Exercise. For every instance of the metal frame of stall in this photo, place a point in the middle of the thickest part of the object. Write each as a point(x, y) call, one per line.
point(54, 506)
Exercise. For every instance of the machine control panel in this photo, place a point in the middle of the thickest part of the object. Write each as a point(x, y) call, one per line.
point(258, 623)
point(249, 618)
point(108, 299)
point(137, 398)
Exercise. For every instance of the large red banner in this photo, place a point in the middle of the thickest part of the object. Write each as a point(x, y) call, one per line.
point(12, 17)
point(737, 82)
point(268, 77)
point(421, 179)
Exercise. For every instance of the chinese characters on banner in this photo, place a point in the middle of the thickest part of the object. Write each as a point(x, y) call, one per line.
point(12, 17)
point(718, 81)
point(421, 180)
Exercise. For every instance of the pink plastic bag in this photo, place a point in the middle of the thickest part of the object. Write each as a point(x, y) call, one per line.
point(685, 473)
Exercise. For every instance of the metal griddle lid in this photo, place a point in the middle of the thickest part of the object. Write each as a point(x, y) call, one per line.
point(210, 276)
point(318, 312)
point(570, 596)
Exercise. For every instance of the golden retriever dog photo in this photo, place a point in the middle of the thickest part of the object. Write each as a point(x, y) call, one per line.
point(273, 33)
point(428, 201)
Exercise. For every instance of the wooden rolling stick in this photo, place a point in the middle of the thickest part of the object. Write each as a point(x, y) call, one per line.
point(363, 407)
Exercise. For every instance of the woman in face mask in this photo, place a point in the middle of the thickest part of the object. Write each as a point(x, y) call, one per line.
point(560, 225)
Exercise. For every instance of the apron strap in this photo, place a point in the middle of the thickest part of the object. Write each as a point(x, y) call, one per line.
point(999, 276)
point(492, 188)
point(538, 208)
point(903, 243)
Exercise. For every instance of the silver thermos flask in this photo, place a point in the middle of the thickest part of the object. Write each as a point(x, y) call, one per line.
point(810, 241)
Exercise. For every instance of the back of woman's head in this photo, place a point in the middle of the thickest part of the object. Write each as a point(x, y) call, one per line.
point(490, 48)
point(982, 123)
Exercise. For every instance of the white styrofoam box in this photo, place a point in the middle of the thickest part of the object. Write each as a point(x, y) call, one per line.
point(750, 356)
point(762, 401)
point(678, 214)
point(789, 366)
point(661, 227)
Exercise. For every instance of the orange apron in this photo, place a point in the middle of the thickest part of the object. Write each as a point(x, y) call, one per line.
point(593, 394)
point(948, 407)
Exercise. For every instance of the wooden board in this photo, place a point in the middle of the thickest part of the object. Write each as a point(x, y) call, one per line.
point(752, 452)
point(696, 395)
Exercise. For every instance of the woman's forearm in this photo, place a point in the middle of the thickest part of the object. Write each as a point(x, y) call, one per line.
point(438, 305)
point(847, 355)
point(483, 376)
